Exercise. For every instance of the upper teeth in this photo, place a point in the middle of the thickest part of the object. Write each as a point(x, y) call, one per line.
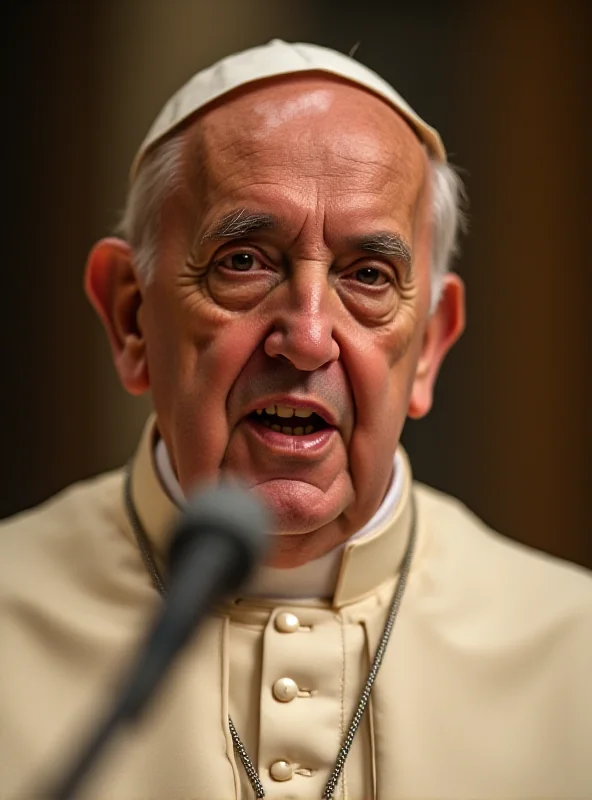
point(287, 411)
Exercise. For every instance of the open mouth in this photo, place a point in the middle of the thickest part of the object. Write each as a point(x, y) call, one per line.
point(289, 420)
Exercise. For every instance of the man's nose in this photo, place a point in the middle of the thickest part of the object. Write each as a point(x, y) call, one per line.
point(303, 325)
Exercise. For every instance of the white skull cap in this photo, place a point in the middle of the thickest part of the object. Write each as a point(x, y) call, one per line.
point(267, 61)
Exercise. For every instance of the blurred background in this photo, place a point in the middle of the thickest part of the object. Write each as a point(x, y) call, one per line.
point(508, 86)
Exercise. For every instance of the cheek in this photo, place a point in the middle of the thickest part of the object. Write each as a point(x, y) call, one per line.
point(381, 366)
point(193, 360)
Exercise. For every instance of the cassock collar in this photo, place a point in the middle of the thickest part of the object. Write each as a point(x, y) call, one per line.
point(366, 562)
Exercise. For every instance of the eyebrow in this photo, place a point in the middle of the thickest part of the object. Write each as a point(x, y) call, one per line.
point(384, 243)
point(238, 224)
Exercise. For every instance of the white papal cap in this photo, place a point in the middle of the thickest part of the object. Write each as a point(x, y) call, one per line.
point(268, 61)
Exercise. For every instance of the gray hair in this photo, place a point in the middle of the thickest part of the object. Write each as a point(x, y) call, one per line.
point(449, 221)
point(161, 173)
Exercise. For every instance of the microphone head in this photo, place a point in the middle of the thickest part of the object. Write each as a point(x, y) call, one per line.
point(228, 514)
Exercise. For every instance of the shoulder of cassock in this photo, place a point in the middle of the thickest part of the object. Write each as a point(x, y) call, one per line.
point(493, 585)
point(61, 561)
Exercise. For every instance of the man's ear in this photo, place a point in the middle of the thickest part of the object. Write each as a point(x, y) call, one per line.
point(443, 328)
point(112, 286)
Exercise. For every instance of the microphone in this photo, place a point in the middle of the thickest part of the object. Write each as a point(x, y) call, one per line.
point(218, 541)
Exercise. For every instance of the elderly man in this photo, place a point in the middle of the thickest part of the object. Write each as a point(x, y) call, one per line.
point(281, 288)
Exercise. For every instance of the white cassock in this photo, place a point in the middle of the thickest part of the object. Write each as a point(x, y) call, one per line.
point(485, 690)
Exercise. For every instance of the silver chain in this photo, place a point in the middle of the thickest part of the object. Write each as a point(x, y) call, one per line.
point(254, 779)
point(252, 775)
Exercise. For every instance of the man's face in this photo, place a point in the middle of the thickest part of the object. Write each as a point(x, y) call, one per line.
point(285, 319)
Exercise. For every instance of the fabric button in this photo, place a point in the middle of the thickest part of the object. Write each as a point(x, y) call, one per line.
point(287, 623)
point(281, 771)
point(285, 689)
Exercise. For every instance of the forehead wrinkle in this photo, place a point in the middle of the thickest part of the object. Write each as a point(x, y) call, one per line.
point(234, 145)
point(212, 159)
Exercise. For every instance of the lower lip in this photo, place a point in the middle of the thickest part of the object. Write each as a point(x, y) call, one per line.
point(284, 443)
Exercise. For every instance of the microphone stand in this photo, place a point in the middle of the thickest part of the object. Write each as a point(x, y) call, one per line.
point(187, 602)
point(216, 546)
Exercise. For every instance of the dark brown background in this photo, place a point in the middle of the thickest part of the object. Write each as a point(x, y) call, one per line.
point(506, 83)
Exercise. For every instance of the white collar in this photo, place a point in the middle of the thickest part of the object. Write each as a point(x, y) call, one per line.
point(317, 578)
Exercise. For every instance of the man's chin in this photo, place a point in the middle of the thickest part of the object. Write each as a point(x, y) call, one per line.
point(299, 507)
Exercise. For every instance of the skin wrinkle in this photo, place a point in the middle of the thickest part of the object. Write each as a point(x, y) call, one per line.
point(299, 322)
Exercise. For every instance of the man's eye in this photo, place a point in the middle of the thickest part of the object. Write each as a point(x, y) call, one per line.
point(240, 262)
point(370, 276)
